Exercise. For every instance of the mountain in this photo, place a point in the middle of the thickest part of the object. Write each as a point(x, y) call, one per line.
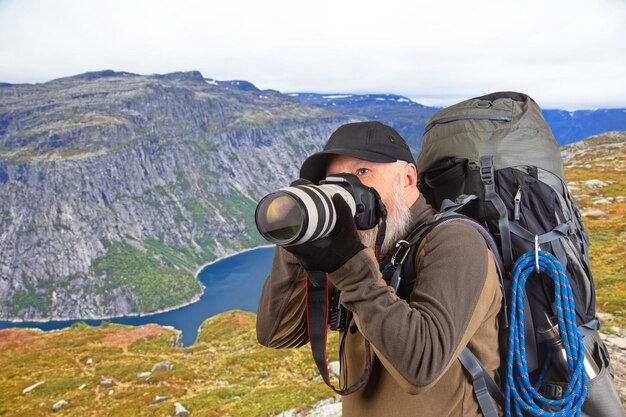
point(116, 187)
point(573, 126)
point(406, 116)
point(409, 118)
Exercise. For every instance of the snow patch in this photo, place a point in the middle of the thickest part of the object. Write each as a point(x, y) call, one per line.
point(210, 81)
point(338, 96)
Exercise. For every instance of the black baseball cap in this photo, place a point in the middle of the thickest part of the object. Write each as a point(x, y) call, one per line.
point(369, 141)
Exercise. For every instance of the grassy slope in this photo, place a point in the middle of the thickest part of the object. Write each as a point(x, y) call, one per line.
point(607, 232)
point(226, 372)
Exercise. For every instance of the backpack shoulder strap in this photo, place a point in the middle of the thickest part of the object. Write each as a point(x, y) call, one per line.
point(404, 258)
point(485, 388)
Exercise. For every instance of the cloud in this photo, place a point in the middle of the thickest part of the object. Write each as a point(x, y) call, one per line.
point(564, 53)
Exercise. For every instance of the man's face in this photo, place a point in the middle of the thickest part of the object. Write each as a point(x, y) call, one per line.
point(382, 176)
point(387, 179)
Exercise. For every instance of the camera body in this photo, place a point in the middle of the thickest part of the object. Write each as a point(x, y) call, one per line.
point(366, 200)
point(303, 213)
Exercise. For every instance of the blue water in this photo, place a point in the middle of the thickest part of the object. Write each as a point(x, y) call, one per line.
point(232, 283)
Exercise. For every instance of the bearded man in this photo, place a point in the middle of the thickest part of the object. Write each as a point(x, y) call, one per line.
point(453, 304)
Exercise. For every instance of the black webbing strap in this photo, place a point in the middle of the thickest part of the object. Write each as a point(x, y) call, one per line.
point(487, 176)
point(589, 327)
point(558, 232)
point(317, 312)
point(553, 237)
point(485, 387)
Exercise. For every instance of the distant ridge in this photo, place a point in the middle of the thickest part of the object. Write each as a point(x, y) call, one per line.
point(409, 117)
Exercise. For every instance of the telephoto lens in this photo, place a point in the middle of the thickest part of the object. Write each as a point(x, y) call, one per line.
point(303, 213)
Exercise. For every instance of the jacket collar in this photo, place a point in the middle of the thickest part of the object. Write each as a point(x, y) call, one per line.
point(420, 211)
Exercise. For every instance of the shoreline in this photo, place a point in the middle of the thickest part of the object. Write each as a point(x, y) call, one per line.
point(221, 258)
point(195, 299)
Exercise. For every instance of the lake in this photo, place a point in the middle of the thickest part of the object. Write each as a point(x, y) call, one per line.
point(231, 283)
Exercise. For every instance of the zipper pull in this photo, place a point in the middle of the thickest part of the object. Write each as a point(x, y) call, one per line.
point(518, 200)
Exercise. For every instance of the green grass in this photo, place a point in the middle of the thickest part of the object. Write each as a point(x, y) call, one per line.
point(173, 256)
point(39, 298)
point(154, 286)
point(197, 209)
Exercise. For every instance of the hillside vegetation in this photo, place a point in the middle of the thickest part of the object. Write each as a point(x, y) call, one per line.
point(116, 370)
point(596, 173)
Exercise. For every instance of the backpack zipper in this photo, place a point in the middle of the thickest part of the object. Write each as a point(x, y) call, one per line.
point(492, 117)
point(517, 200)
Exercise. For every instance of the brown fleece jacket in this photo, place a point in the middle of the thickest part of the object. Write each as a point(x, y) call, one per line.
point(415, 372)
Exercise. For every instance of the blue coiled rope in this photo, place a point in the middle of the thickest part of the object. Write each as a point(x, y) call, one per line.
point(520, 394)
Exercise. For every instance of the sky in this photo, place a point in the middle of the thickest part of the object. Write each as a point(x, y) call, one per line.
point(568, 54)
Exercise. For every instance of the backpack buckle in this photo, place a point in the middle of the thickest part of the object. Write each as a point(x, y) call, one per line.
point(486, 169)
point(400, 255)
point(486, 174)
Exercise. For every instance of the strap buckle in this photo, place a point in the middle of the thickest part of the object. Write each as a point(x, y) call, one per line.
point(486, 169)
point(402, 252)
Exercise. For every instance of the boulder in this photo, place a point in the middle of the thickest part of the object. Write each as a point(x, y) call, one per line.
point(334, 367)
point(594, 184)
point(57, 406)
point(619, 342)
point(32, 387)
point(165, 365)
point(159, 399)
point(604, 201)
point(594, 213)
point(181, 411)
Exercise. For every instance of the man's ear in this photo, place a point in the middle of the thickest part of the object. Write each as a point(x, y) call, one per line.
point(409, 182)
point(410, 176)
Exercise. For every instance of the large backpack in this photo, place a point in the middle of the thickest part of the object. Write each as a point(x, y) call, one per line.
point(499, 148)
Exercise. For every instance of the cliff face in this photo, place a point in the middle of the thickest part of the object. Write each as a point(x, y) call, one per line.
point(115, 188)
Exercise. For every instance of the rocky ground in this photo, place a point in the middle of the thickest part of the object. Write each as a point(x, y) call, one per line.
point(617, 349)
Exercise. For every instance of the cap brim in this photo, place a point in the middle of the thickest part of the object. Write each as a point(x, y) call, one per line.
point(314, 167)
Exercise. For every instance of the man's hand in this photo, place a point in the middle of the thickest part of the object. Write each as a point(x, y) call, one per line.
point(330, 253)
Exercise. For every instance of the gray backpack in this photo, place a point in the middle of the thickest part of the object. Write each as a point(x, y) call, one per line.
point(499, 148)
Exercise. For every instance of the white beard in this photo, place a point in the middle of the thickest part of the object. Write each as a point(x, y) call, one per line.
point(398, 224)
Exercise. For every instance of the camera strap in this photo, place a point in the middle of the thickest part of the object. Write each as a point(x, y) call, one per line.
point(382, 225)
point(317, 313)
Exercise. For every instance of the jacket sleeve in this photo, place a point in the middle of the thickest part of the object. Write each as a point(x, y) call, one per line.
point(451, 298)
point(281, 316)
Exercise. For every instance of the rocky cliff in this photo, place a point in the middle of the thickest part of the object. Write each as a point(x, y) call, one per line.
point(115, 188)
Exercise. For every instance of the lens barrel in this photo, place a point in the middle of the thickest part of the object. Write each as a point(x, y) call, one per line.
point(299, 214)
